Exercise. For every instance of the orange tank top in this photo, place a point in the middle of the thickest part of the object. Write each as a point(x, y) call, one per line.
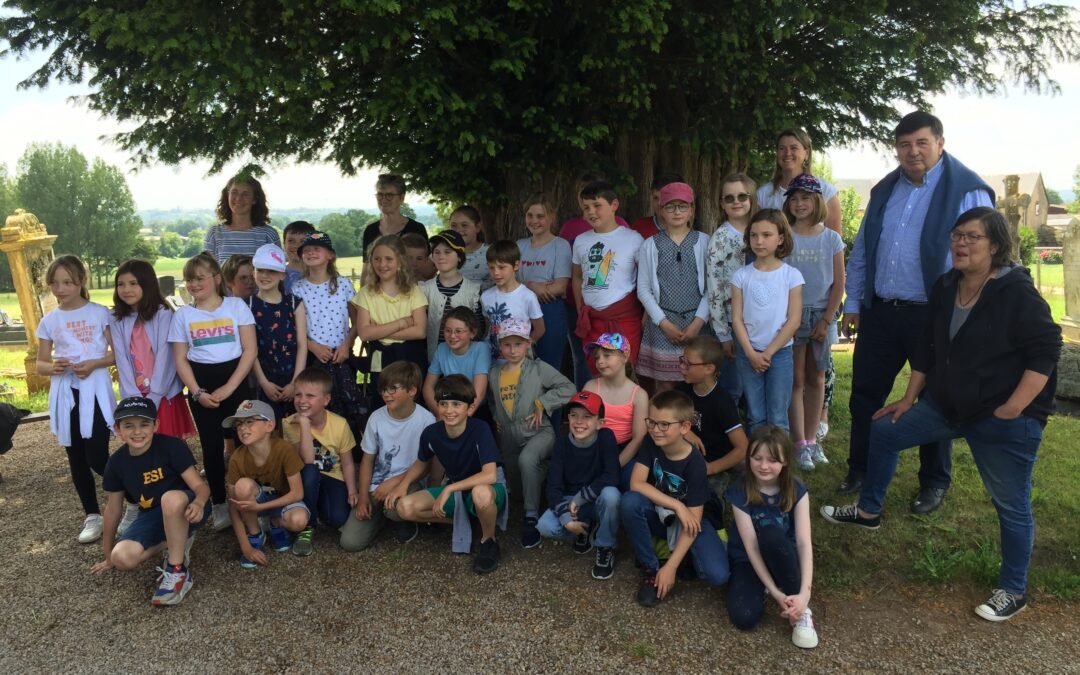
point(619, 418)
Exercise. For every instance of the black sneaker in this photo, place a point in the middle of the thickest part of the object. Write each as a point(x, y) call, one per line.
point(530, 536)
point(487, 558)
point(646, 592)
point(404, 532)
point(604, 568)
point(850, 485)
point(849, 515)
point(583, 543)
point(1002, 606)
point(686, 570)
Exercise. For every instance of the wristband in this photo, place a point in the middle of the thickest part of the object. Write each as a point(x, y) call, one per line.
point(194, 396)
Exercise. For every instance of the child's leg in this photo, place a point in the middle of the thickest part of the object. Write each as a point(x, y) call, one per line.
point(813, 400)
point(212, 440)
point(486, 506)
point(356, 534)
point(333, 501)
point(753, 385)
point(142, 540)
point(173, 505)
point(579, 360)
point(778, 380)
point(745, 596)
point(416, 507)
point(87, 456)
point(550, 527)
point(311, 478)
point(533, 465)
point(796, 411)
point(710, 557)
point(641, 524)
point(781, 557)
point(295, 517)
point(607, 515)
point(248, 490)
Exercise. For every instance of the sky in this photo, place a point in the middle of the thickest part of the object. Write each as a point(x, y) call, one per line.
point(1014, 132)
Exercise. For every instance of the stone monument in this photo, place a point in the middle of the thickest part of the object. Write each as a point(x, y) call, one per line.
point(1069, 365)
point(1011, 203)
point(29, 250)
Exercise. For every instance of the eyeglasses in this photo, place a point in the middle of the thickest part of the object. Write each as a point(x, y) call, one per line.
point(455, 331)
point(683, 361)
point(651, 424)
point(387, 195)
point(392, 389)
point(741, 197)
point(677, 208)
point(966, 237)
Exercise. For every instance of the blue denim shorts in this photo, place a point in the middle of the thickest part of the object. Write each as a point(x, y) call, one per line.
point(149, 526)
point(267, 495)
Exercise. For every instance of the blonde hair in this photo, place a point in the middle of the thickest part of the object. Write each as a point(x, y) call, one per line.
point(210, 263)
point(548, 204)
point(403, 277)
point(804, 140)
point(74, 267)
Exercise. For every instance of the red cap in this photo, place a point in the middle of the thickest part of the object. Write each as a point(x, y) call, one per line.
point(589, 400)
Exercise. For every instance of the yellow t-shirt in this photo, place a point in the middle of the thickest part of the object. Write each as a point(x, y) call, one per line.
point(331, 442)
point(508, 382)
point(384, 308)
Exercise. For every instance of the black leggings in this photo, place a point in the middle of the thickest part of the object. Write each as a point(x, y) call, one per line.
point(87, 456)
point(746, 593)
point(208, 421)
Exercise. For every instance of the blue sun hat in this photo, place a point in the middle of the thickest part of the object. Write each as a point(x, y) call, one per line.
point(804, 182)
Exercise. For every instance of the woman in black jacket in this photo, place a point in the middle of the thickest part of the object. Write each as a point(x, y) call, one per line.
point(986, 373)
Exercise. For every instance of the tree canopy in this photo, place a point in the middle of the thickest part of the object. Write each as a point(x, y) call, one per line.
point(486, 101)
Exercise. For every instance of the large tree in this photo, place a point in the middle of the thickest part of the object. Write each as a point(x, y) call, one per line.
point(486, 101)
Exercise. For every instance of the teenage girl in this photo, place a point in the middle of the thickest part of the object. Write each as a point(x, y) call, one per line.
point(280, 330)
point(625, 403)
point(819, 257)
point(465, 352)
point(766, 310)
point(545, 270)
point(391, 312)
point(671, 287)
point(449, 288)
point(140, 338)
point(245, 221)
point(726, 255)
point(214, 347)
point(465, 220)
point(769, 545)
point(73, 348)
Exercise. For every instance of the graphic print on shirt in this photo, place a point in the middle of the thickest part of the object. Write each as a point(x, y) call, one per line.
point(215, 331)
point(598, 266)
point(773, 517)
point(325, 460)
point(670, 484)
point(149, 478)
point(763, 293)
point(384, 460)
point(82, 331)
point(497, 313)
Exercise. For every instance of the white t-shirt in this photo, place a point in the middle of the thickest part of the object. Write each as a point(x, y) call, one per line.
point(520, 303)
point(212, 337)
point(769, 197)
point(394, 442)
point(608, 265)
point(327, 315)
point(765, 300)
point(76, 334)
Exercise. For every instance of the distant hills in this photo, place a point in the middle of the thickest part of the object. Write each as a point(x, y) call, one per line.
point(280, 217)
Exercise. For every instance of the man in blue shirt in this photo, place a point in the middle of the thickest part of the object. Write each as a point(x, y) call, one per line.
point(901, 249)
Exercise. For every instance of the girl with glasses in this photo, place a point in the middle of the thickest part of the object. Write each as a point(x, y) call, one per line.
point(463, 352)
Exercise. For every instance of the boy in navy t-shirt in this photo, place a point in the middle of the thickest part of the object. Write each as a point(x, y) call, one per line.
point(158, 473)
point(475, 483)
point(582, 484)
point(670, 473)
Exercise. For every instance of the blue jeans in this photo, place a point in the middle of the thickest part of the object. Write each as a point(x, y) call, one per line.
point(577, 356)
point(551, 345)
point(729, 379)
point(768, 394)
point(604, 512)
point(326, 496)
point(1004, 452)
point(642, 524)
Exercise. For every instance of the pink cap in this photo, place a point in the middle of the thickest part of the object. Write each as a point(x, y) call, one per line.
point(676, 192)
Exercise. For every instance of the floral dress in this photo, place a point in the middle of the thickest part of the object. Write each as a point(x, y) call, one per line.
point(724, 256)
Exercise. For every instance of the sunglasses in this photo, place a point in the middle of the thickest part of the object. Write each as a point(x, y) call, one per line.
point(741, 197)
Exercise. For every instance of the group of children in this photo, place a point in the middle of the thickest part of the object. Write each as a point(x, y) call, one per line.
point(464, 394)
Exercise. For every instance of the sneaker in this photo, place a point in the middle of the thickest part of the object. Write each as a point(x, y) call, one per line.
point(604, 568)
point(256, 541)
point(487, 558)
point(220, 517)
point(91, 529)
point(805, 459)
point(280, 539)
point(530, 536)
point(131, 512)
point(1002, 606)
point(302, 546)
point(583, 543)
point(817, 454)
point(803, 634)
point(849, 515)
point(404, 532)
point(176, 581)
point(646, 594)
point(686, 570)
point(822, 430)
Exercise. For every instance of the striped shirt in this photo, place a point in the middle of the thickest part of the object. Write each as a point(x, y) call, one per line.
point(222, 243)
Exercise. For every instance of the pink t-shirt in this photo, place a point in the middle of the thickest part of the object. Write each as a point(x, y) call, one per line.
point(143, 357)
point(570, 231)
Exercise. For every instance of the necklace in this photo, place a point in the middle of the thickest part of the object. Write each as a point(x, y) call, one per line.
point(960, 299)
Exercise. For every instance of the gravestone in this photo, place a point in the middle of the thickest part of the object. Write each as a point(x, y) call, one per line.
point(1069, 365)
point(29, 250)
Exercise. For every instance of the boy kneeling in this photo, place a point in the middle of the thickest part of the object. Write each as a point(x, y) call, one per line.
point(582, 484)
point(263, 478)
point(670, 473)
point(158, 471)
point(475, 483)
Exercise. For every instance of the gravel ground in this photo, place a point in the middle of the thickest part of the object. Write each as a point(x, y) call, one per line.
point(419, 608)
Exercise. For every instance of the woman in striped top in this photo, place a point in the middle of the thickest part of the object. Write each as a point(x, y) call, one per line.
point(245, 219)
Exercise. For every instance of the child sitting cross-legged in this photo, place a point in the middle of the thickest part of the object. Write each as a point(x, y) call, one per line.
point(158, 471)
point(582, 484)
point(475, 483)
point(263, 479)
point(390, 442)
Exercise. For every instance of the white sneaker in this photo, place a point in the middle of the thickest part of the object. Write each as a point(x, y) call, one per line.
point(805, 459)
point(822, 430)
point(817, 453)
point(220, 515)
point(91, 529)
point(131, 512)
point(803, 634)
